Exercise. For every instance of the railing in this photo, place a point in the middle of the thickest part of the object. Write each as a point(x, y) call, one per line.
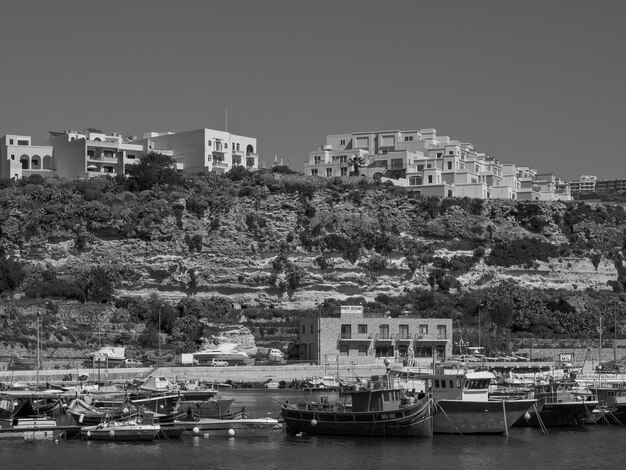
point(355, 337)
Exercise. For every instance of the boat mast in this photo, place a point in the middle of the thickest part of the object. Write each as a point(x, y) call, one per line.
point(38, 346)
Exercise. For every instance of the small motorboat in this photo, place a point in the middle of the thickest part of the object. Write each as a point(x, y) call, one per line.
point(240, 427)
point(129, 430)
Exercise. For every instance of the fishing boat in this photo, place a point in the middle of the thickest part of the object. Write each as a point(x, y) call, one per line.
point(23, 363)
point(85, 414)
point(21, 416)
point(240, 427)
point(611, 407)
point(128, 430)
point(558, 406)
point(463, 405)
point(373, 410)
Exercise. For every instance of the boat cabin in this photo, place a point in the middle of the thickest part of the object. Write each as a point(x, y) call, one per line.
point(470, 386)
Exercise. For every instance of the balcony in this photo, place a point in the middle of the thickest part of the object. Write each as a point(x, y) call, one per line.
point(385, 338)
point(358, 337)
point(220, 164)
point(103, 158)
point(405, 338)
point(432, 337)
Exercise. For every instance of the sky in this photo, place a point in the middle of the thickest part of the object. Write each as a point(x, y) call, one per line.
point(538, 83)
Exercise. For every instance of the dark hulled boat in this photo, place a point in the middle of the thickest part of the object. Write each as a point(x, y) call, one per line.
point(365, 412)
point(558, 406)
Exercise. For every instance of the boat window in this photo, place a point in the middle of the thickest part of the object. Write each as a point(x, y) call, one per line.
point(458, 383)
point(451, 383)
point(436, 383)
point(443, 384)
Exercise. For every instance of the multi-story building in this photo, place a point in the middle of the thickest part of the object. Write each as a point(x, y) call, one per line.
point(20, 158)
point(203, 150)
point(610, 186)
point(585, 184)
point(359, 337)
point(91, 153)
point(427, 163)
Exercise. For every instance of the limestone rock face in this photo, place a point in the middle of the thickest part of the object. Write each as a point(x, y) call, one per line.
point(328, 244)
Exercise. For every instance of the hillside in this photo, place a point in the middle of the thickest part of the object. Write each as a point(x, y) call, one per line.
point(289, 243)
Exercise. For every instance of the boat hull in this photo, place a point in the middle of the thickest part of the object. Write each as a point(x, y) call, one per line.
point(120, 433)
point(248, 427)
point(478, 417)
point(566, 414)
point(410, 421)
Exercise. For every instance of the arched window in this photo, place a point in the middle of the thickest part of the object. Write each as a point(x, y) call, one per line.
point(249, 149)
point(46, 162)
point(25, 161)
point(34, 162)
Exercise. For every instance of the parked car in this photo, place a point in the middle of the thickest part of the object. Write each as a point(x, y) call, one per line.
point(218, 363)
point(132, 363)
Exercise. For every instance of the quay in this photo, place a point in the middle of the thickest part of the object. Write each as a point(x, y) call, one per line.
point(234, 374)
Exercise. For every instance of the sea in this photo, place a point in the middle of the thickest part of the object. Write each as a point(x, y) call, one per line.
point(591, 446)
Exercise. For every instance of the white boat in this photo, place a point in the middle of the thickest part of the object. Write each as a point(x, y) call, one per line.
point(121, 431)
point(112, 356)
point(228, 352)
point(463, 405)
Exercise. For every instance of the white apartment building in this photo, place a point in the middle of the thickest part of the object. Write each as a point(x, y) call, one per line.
point(92, 153)
point(427, 163)
point(203, 150)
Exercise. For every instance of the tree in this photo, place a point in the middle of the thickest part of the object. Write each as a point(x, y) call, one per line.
point(153, 169)
point(357, 162)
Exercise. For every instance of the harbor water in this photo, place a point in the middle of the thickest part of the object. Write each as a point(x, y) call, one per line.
point(592, 446)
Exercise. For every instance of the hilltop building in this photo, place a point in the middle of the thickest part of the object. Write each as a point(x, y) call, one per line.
point(428, 164)
point(360, 337)
point(91, 153)
point(19, 157)
point(203, 150)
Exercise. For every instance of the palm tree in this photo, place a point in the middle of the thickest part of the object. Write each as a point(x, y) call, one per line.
point(357, 162)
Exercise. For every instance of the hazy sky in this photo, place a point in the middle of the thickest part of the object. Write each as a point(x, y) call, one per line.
point(538, 83)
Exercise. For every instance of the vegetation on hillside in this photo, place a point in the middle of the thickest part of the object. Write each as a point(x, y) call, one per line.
point(348, 217)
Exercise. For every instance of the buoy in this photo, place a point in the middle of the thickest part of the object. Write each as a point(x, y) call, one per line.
point(112, 433)
point(527, 416)
point(196, 429)
point(88, 433)
point(231, 432)
point(313, 422)
point(206, 435)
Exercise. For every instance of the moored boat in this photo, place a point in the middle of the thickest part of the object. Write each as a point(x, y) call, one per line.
point(128, 430)
point(371, 411)
point(463, 405)
point(239, 427)
point(558, 406)
point(21, 416)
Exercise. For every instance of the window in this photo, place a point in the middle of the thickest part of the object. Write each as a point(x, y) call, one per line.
point(362, 329)
point(312, 329)
point(314, 172)
point(384, 351)
point(343, 159)
point(397, 163)
point(329, 172)
point(303, 329)
point(362, 350)
point(439, 154)
point(420, 167)
point(404, 332)
point(449, 165)
point(415, 181)
point(317, 159)
point(424, 351)
point(225, 145)
point(342, 142)
point(441, 332)
point(346, 331)
point(408, 138)
point(423, 329)
point(12, 157)
point(451, 152)
point(10, 141)
point(209, 143)
point(430, 179)
point(344, 172)
point(383, 331)
point(130, 157)
point(344, 350)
